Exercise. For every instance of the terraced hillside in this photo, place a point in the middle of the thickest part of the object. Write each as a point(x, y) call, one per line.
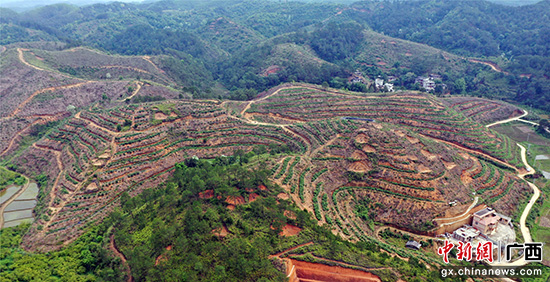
point(482, 110)
point(351, 159)
point(415, 111)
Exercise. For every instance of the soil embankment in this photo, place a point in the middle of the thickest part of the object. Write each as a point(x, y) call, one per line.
point(308, 271)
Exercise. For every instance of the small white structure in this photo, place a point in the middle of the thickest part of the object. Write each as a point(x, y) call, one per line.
point(413, 245)
point(379, 83)
point(466, 234)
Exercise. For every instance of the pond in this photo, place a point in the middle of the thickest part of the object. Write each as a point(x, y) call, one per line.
point(8, 192)
point(20, 209)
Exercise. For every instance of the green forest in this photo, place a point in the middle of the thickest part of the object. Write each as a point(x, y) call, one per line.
point(224, 50)
point(170, 233)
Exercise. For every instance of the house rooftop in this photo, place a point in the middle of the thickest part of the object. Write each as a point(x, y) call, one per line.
point(483, 212)
point(413, 244)
point(467, 232)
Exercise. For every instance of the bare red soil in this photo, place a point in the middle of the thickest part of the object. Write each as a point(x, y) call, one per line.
point(221, 232)
point(208, 194)
point(290, 230)
point(308, 271)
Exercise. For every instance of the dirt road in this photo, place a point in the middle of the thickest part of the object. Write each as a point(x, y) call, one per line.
point(536, 195)
point(494, 66)
point(508, 120)
point(20, 107)
point(459, 216)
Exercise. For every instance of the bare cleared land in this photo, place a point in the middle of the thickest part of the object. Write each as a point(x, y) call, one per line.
point(356, 159)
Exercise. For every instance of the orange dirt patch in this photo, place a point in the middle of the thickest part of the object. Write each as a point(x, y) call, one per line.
point(423, 169)
point(92, 187)
point(408, 54)
point(428, 154)
point(162, 116)
point(221, 232)
point(283, 196)
point(361, 138)
point(308, 271)
point(206, 194)
point(252, 197)
point(235, 200)
point(290, 230)
point(358, 155)
point(377, 125)
point(449, 165)
point(368, 149)
point(98, 162)
point(290, 214)
point(159, 259)
point(360, 166)
point(105, 156)
point(412, 140)
point(231, 207)
point(271, 70)
point(399, 133)
point(262, 187)
point(464, 155)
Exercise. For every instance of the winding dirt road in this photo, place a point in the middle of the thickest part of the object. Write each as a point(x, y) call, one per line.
point(536, 194)
point(22, 59)
point(508, 120)
point(20, 107)
point(523, 227)
point(474, 203)
point(494, 66)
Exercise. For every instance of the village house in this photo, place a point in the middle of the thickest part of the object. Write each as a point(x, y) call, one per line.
point(380, 85)
point(426, 83)
point(357, 77)
point(486, 221)
point(466, 234)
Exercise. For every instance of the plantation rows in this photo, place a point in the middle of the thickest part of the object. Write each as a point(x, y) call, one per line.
point(415, 111)
point(145, 153)
point(491, 182)
point(481, 110)
point(319, 132)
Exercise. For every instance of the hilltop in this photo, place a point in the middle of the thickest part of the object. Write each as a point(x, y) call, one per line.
point(232, 44)
point(98, 150)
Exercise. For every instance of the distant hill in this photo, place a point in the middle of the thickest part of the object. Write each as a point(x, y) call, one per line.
point(237, 41)
point(515, 2)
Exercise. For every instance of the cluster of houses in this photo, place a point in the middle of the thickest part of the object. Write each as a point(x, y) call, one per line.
point(484, 224)
point(428, 83)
